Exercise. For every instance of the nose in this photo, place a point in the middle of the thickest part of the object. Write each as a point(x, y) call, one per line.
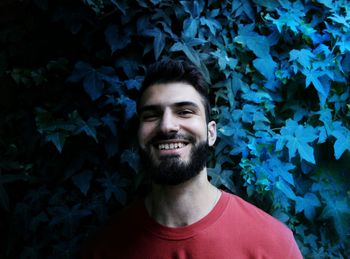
point(168, 122)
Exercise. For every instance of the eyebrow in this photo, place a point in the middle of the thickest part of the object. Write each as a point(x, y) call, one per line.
point(176, 105)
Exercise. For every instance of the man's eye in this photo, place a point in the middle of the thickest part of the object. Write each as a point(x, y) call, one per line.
point(149, 116)
point(185, 113)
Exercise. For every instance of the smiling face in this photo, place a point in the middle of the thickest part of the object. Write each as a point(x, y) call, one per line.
point(173, 133)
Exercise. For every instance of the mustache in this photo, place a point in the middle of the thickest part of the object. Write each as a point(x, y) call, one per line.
point(173, 136)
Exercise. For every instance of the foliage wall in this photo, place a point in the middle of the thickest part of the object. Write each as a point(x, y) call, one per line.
point(70, 72)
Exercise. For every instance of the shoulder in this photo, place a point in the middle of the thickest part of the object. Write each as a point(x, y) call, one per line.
point(256, 216)
point(261, 229)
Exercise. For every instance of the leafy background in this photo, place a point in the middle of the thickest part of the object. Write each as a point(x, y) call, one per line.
point(70, 72)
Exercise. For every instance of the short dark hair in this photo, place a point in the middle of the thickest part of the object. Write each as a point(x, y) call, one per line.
point(172, 71)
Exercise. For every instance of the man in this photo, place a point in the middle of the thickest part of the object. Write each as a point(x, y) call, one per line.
point(184, 216)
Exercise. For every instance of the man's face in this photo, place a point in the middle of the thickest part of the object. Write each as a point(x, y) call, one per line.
point(173, 133)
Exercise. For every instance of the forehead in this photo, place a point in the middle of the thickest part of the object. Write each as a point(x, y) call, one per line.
point(169, 93)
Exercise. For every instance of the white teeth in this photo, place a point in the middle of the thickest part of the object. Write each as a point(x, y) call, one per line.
point(170, 146)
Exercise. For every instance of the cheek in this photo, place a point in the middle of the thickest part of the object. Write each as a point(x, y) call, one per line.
point(144, 134)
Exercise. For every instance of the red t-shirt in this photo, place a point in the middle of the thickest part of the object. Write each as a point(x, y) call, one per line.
point(233, 229)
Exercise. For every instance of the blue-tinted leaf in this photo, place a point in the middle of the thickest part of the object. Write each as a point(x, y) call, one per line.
point(67, 216)
point(270, 5)
point(194, 8)
point(129, 66)
point(132, 158)
point(82, 181)
point(134, 83)
point(255, 42)
point(346, 62)
point(87, 127)
point(122, 6)
point(266, 66)
point(129, 106)
point(285, 188)
point(111, 146)
point(93, 85)
point(344, 21)
point(158, 44)
point(313, 76)
point(303, 57)
point(342, 143)
point(81, 69)
point(110, 122)
point(221, 177)
point(159, 40)
point(212, 24)
point(190, 27)
point(58, 139)
point(191, 54)
point(224, 60)
point(281, 169)
point(307, 204)
point(114, 185)
point(298, 138)
point(115, 39)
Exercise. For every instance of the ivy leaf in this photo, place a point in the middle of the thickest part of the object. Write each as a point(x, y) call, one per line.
point(110, 122)
point(89, 127)
point(338, 210)
point(270, 5)
point(307, 204)
point(132, 158)
point(82, 181)
point(212, 24)
point(224, 60)
point(303, 57)
point(190, 28)
point(313, 76)
point(255, 42)
point(280, 169)
point(129, 106)
point(191, 54)
point(69, 217)
point(342, 143)
point(194, 8)
point(285, 188)
point(116, 39)
point(159, 40)
point(221, 177)
point(298, 138)
point(58, 139)
point(93, 78)
point(344, 21)
point(291, 18)
point(115, 185)
point(266, 66)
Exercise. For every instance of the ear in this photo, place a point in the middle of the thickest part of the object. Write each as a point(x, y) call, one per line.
point(211, 133)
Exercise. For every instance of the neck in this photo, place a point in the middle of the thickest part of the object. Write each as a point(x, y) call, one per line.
point(183, 204)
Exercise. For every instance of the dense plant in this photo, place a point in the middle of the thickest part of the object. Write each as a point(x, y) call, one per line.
point(70, 76)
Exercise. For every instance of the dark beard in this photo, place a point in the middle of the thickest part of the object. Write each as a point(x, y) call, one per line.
point(171, 170)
